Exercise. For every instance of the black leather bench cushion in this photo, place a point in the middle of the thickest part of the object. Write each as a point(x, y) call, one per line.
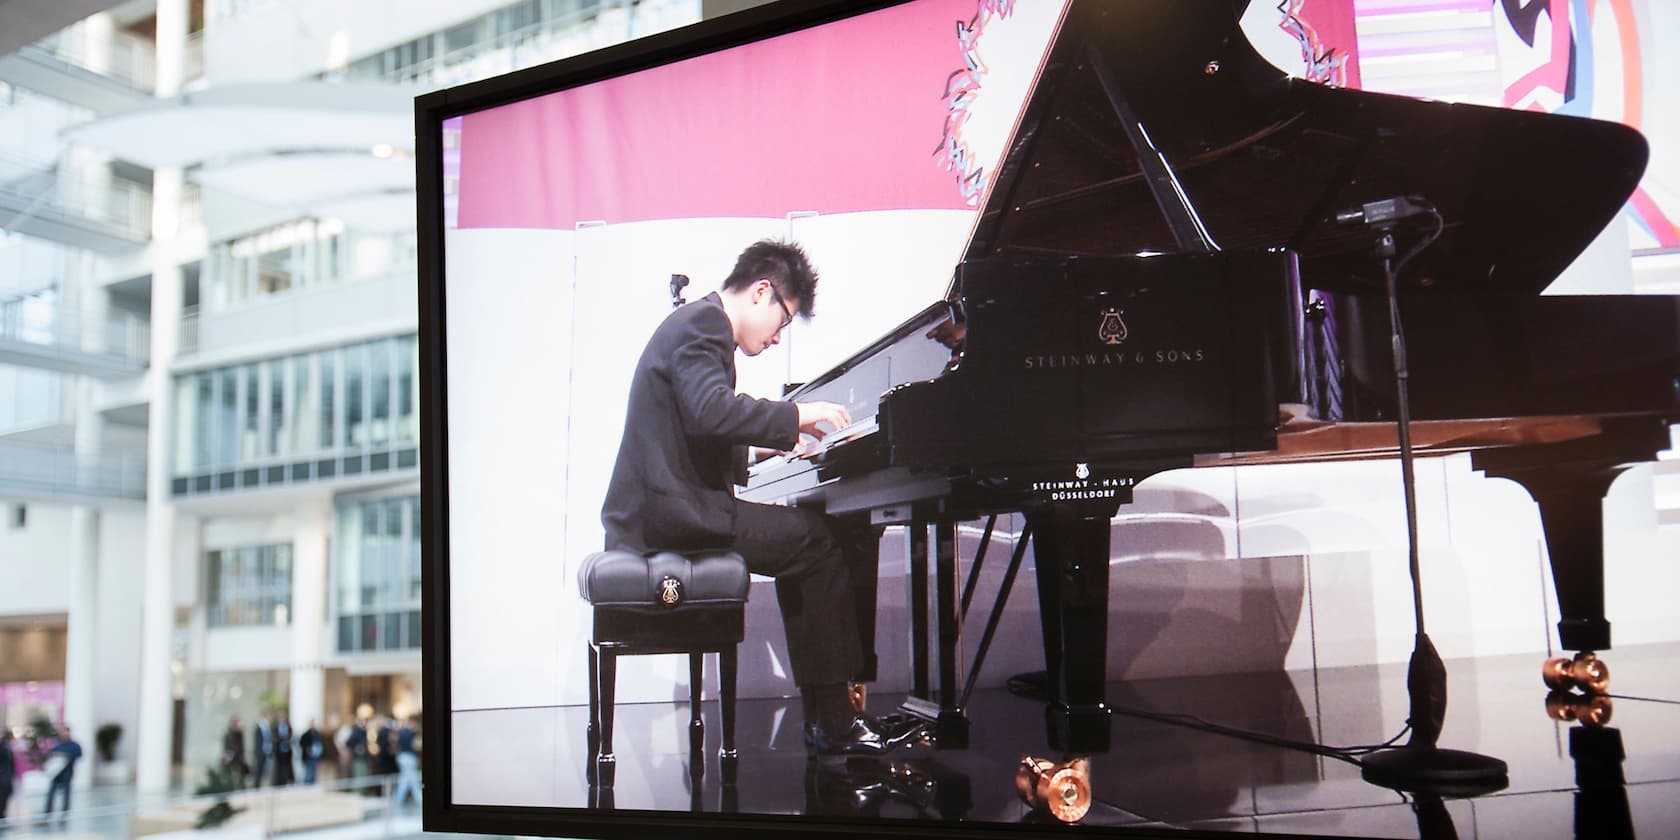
point(624, 577)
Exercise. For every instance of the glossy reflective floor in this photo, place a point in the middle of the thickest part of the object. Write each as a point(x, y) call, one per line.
point(1158, 773)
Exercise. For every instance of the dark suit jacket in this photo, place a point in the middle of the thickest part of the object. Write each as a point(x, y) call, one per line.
point(685, 432)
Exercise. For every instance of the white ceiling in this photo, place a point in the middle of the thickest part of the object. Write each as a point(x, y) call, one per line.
point(223, 123)
point(328, 149)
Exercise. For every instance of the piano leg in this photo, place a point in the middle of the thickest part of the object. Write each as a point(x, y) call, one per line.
point(950, 724)
point(1568, 481)
point(951, 727)
point(1071, 554)
point(916, 545)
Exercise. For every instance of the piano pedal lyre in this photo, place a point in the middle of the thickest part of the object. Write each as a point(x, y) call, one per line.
point(1063, 790)
point(1586, 672)
point(1569, 707)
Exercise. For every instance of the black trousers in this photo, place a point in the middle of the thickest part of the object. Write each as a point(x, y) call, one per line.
point(59, 783)
point(825, 571)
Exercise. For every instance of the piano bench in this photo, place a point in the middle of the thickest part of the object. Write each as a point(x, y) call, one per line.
point(663, 602)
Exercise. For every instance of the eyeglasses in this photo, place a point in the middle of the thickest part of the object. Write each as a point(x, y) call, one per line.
point(787, 314)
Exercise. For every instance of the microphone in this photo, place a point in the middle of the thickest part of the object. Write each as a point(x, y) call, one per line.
point(678, 281)
point(1383, 212)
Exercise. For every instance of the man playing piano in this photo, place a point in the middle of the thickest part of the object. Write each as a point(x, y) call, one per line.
point(686, 431)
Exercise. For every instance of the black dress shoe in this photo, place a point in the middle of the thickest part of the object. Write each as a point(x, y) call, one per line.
point(864, 736)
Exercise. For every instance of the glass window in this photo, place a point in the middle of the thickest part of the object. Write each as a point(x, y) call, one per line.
point(414, 550)
point(379, 391)
point(305, 427)
point(392, 586)
point(408, 362)
point(227, 441)
point(460, 37)
point(349, 559)
point(378, 574)
point(186, 413)
point(373, 554)
point(327, 402)
point(251, 420)
point(355, 384)
point(278, 418)
point(205, 405)
point(249, 586)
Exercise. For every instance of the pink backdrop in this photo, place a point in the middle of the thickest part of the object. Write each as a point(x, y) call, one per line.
point(847, 117)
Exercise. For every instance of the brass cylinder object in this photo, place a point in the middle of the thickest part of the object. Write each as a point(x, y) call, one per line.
point(1569, 707)
point(859, 694)
point(1063, 790)
point(1586, 672)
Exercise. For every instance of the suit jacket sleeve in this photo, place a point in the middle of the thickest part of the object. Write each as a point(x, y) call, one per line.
point(706, 397)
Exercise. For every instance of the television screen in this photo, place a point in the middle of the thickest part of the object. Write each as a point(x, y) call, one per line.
point(791, 200)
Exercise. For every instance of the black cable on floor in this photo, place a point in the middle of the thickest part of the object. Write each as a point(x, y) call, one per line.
point(1033, 685)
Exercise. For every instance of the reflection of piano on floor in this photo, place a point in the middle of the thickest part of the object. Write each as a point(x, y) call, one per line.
point(1095, 334)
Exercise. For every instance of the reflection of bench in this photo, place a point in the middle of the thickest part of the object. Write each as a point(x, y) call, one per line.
point(278, 809)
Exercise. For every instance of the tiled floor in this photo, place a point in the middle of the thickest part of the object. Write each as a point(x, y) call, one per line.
point(1157, 773)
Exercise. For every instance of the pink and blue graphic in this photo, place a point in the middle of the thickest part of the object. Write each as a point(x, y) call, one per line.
point(1591, 58)
point(1328, 36)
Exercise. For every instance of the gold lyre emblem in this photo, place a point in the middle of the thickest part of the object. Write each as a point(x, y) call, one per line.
point(1111, 330)
point(670, 591)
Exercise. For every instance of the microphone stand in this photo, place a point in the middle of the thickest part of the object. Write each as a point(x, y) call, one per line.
point(1420, 766)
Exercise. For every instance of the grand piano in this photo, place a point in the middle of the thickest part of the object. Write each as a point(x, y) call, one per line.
point(1173, 267)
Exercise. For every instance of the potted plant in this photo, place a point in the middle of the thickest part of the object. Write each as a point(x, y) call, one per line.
point(110, 770)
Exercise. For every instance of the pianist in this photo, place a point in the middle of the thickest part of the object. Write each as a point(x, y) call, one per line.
point(685, 436)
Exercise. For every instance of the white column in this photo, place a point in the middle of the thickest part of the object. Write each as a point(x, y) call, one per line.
point(82, 630)
point(156, 723)
point(309, 586)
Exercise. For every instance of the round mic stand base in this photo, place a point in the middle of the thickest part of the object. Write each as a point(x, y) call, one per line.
point(1431, 770)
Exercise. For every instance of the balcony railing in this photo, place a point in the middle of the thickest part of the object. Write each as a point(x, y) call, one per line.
point(122, 336)
point(35, 470)
point(545, 41)
point(129, 59)
point(35, 188)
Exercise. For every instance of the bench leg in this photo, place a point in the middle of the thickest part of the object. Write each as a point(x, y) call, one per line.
point(605, 763)
point(592, 734)
point(727, 757)
point(696, 727)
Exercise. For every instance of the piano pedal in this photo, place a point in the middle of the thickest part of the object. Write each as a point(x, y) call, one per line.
point(859, 694)
point(1586, 672)
point(1062, 790)
point(1588, 709)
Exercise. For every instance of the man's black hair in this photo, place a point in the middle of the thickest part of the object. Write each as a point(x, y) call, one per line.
point(784, 264)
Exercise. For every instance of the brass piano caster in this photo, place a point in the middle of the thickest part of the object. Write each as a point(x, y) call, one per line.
point(1569, 707)
point(1063, 790)
point(1586, 672)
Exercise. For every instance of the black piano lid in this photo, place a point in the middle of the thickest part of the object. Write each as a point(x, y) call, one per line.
point(1267, 160)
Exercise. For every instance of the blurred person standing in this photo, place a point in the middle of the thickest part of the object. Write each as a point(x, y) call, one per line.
point(408, 764)
point(233, 752)
point(262, 747)
point(309, 743)
point(8, 769)
point(356, 746)
point(386, 742)
point(61, 768)
point(284, 773)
